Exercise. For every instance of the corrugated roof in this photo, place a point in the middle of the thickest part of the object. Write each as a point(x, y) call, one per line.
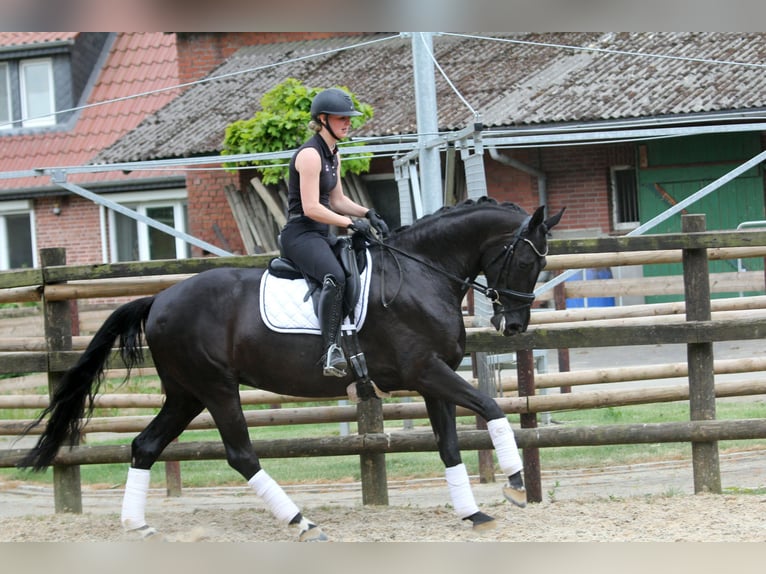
point(137, 62)
point(509, 84)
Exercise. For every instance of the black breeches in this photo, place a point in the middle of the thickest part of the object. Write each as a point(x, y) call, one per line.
point(312, 253)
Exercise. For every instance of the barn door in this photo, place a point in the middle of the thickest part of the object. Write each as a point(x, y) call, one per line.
point(672, 170)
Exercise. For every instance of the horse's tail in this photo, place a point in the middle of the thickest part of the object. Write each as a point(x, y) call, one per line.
point(67, 406)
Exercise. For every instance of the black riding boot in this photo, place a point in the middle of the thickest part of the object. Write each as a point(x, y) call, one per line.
point(330, 315)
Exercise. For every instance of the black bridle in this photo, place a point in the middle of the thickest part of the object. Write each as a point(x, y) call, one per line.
point(507, 252)
point(492, 293)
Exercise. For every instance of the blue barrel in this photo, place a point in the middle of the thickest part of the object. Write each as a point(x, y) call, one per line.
point(600, 273)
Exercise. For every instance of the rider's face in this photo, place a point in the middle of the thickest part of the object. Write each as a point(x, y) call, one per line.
point(339, 125)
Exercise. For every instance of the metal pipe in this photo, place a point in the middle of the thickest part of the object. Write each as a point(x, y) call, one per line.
point(60, 179)
point(427, 121)
point(542, 180)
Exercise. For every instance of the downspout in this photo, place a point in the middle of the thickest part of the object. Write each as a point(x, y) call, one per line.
point(542, 180)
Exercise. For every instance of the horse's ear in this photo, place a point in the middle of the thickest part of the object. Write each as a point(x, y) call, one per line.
point(551, 221)
point(537, 218)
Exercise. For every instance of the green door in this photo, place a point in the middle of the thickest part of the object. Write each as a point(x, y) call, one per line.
point(677, 168)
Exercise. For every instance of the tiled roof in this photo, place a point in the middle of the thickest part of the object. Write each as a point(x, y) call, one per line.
point(138, 62)
point(8, 39)
point(508, 84)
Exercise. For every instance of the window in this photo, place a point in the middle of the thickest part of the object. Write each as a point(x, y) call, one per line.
point(27, 93)
point(17, 249)
point(5, 97)
point(37, 99)
point(625, 214)
point(132, 240)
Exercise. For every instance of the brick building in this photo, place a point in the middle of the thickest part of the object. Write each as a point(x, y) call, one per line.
point(571, 119)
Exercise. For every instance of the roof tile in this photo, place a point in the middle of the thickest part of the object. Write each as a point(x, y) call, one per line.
point(9, 39)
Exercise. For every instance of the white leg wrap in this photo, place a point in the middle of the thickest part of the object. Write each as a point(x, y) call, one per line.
point(275, 498)
point(134, 500)
point(460, 491)
point(505, 446)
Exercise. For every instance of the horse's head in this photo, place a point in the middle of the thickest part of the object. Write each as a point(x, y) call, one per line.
point(512, 269)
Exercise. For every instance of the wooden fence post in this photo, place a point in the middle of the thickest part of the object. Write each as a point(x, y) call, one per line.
point(373, 465)
point(705, 462)
point(487, 386)
point(525, 368)
point(57, 316)
point(560, 302)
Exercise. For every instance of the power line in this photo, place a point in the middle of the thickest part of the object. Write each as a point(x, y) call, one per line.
point(446, 78)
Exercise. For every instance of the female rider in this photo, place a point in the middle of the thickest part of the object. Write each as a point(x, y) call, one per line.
point(315, 202)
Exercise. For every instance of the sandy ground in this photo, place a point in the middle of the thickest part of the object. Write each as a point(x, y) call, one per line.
point(648, 502)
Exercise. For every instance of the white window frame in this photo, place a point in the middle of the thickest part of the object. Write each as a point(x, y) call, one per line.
point(140, 202)
point(620, 225)
point(18, 207)
point(38, 121)
point(7, 122)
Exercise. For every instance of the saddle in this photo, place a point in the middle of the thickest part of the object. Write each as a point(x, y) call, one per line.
point(351, 252)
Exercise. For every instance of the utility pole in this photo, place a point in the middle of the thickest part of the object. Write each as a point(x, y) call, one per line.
point(427, 122)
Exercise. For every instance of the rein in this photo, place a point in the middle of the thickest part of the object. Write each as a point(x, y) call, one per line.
point(490, 293)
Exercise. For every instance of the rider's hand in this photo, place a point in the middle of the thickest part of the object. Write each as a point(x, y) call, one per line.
point(377, 223)
point(360, 226)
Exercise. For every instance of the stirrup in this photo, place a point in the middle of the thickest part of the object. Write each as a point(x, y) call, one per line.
point(335, 362)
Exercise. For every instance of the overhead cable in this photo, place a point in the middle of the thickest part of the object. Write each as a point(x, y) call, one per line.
point(446, 78)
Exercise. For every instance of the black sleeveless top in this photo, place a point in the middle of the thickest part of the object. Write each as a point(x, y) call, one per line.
point(328, 176)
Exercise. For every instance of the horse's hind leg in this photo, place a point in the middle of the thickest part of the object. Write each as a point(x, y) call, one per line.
point(227, 413)
point(174, 416)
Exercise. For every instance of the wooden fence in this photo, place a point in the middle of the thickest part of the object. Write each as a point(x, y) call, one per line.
point(694, 325)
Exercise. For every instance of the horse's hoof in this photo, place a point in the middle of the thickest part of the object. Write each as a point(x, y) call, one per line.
point(145, 532)
point(481, 522)
point(515, 495)
point(312, 534)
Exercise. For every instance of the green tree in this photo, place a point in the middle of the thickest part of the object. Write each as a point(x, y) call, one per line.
point(282, 124)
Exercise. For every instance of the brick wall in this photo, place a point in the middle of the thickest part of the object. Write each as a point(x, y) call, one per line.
point(577, 177)
point(505, 183)
point(77, 228)
point(209, 210)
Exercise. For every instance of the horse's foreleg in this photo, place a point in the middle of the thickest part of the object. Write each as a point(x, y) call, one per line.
point(442, 417)
point(443, 384)
point(509, 460)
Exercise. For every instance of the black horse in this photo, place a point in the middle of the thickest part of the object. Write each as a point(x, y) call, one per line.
point(207, 337)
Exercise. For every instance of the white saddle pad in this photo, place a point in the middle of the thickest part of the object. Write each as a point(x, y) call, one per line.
point(284, 310)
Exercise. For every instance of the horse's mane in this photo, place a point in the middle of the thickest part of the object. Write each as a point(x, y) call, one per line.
point(465, 204)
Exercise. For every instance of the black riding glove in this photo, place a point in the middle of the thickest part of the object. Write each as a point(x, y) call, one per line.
point(361, 226)
point(377, 223)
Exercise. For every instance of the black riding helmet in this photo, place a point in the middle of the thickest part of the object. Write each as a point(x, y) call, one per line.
point(333, 101)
